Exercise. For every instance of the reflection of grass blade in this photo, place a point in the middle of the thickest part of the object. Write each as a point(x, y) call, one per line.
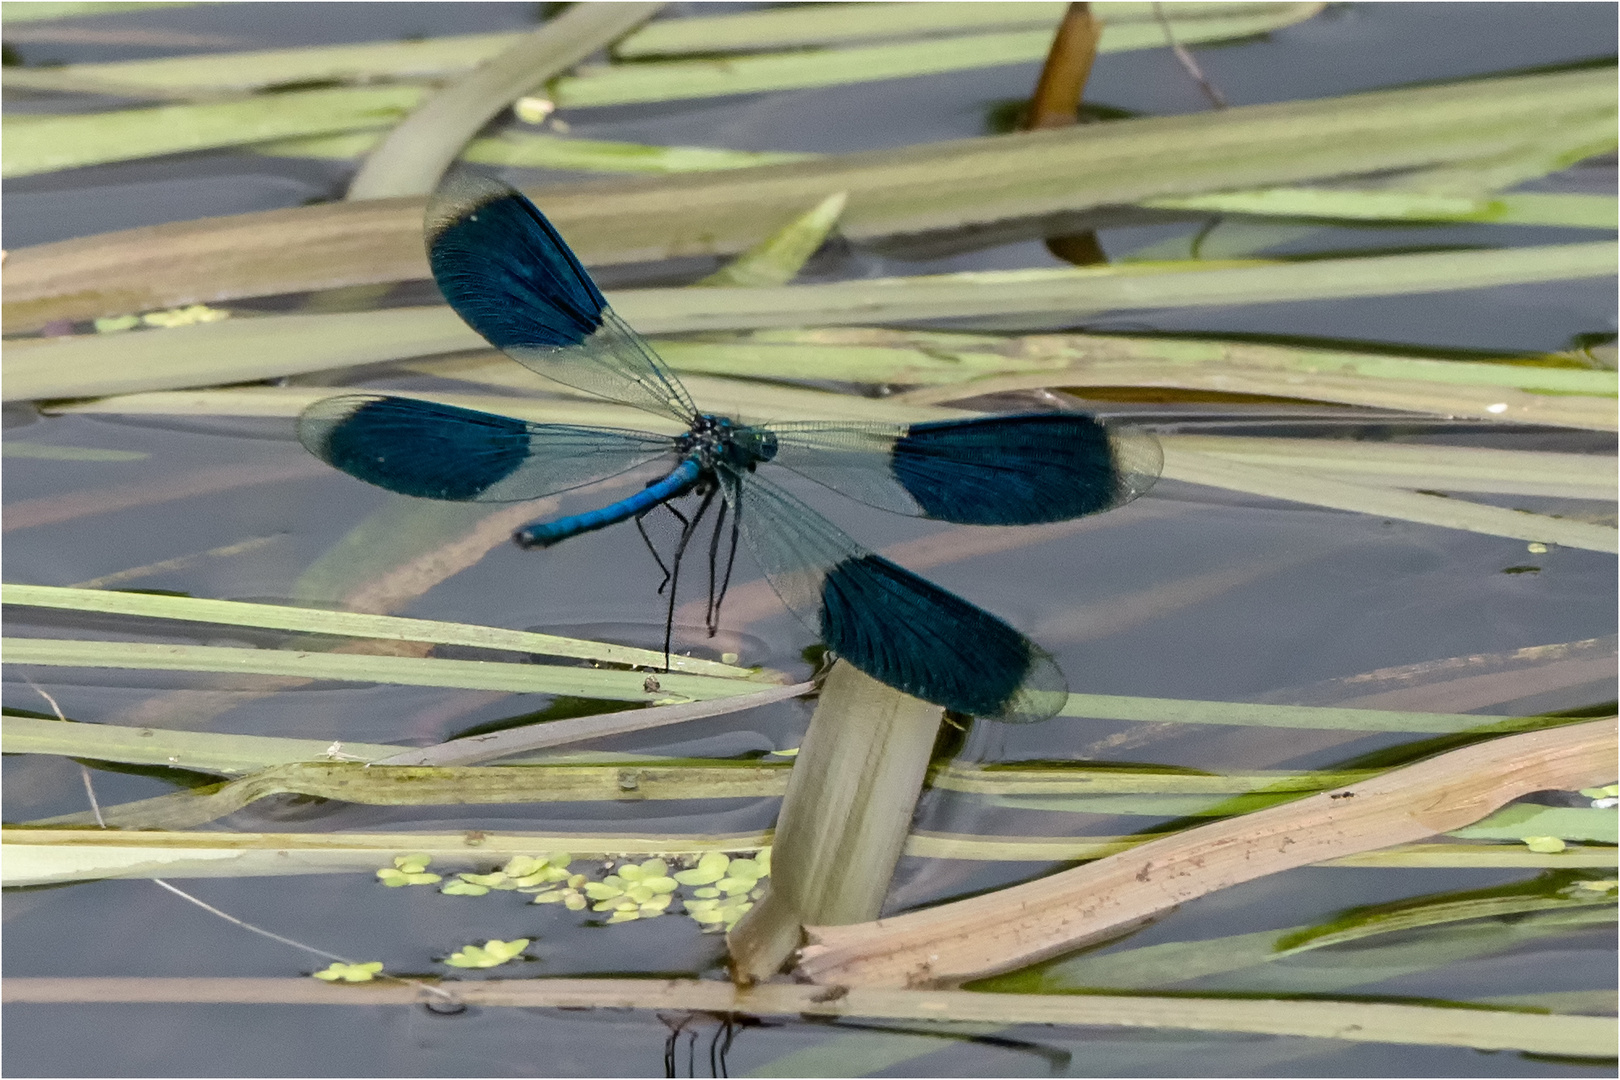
point(940, 186)
point(1165, 965)
point(347, 624)
point(351, 667)
point(1548, 892)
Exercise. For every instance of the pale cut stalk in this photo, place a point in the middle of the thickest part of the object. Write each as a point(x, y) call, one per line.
point(395, 670)
point(1353, 1021)
point(844, 817)
point(413, 157)
point(293, 344)
point(915, 189)
point(349, 624)
point(1014, 927)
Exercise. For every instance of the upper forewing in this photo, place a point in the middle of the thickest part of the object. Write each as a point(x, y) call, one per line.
point(510, 275)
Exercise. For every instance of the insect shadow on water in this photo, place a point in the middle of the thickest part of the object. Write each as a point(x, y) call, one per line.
point(509, 275)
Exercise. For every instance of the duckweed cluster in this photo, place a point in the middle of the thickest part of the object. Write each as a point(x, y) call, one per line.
point(720, 888)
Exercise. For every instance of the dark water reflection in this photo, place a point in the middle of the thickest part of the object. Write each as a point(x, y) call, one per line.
point(1189, 593)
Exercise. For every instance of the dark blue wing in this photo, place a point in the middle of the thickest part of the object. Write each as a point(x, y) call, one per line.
point(507, 272)
point(895, 626)
point(997, 470)
point(438, 451)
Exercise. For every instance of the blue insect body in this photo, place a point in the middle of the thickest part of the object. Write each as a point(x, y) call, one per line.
point(507, 272)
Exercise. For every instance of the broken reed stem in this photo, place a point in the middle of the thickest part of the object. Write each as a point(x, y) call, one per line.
point(844, 818)
point(1011, 928)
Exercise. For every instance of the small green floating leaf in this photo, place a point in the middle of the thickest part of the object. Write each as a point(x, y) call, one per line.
point(710, 869)
point(464, 888)
point(396, 878)
point(414, 863)
point(1544, 845)
point(352, 973)
point(493, 953)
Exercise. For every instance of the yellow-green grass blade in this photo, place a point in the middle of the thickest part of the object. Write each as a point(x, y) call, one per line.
point(801, 26)
point(41, 10)
point(623, 84)
point(450, 56)
point(66, 142)
point(1244, 714)
point(535, 150)
point(1196, 467)
point(351, 667)
point(201, 74)
point(201, 750)
point(242, 349)
point(1427, 468)
point(938, 186)
point(349, 624)
point(42, 856)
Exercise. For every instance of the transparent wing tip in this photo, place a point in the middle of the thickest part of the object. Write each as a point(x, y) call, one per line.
point(459, 194)
point(1138, 460)
point(1041, 695)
